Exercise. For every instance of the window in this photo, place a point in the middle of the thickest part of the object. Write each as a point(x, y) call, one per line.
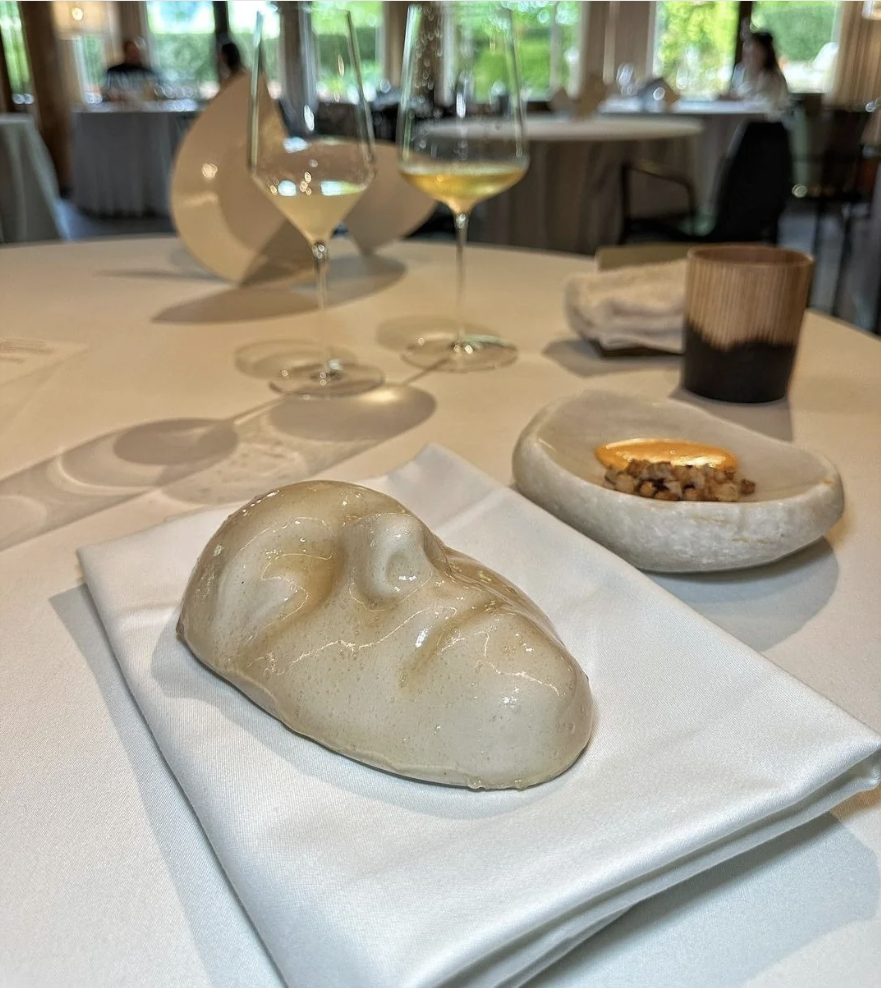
point(548, 39)
point(242, 19)
point(182, 46)
point(694, 45)
point(806, 39)
point(92, 61)
point(367, 24)
point(12, 38)
point(85, 32)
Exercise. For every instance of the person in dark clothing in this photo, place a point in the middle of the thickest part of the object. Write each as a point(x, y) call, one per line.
point(229, 61)
point(132, 74)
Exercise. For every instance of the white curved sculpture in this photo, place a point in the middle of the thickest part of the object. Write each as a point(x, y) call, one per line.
point(232, 229)
point(337, 611)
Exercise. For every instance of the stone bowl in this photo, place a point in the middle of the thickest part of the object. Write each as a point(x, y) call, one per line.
point(798, 493)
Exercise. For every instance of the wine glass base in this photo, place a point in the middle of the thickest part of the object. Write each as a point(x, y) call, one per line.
point(471, 352)
point(268, 358)
point(337, 379)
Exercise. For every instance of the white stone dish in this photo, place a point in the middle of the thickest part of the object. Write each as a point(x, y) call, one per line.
point(798, 493)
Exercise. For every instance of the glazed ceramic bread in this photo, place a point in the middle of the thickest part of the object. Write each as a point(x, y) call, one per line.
point(337, 611)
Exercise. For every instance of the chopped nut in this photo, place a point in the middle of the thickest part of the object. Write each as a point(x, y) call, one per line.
point(625, 483)
point(726, 491)
point(664, 481)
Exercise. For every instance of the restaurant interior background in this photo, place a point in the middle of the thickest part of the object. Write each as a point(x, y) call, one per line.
point(55, 56)
point(168, 350)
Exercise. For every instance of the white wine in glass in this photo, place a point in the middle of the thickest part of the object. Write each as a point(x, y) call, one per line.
point(461, 140)
point(311, 153)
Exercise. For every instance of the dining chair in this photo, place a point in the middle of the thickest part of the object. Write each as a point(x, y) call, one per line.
point(827, 161)
point(752, 189)
point(832, 171)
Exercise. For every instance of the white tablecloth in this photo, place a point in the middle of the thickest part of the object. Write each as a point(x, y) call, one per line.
point(719, 119)
point(570, 199)
point(28, 186)
point(105, 877)
point(123, 156)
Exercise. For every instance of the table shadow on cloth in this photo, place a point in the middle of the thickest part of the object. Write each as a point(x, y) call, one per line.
point(350, 278)
point(204, 461)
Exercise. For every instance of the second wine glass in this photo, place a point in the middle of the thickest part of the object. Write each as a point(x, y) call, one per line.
point(461, 140)
point(311, 153)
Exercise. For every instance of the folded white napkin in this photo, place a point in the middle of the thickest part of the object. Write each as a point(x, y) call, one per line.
point(352, 876)
point(630, 306)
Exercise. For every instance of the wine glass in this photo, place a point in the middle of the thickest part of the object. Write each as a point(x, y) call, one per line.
point(624, 78)
point(311, 153)
point(461, 140)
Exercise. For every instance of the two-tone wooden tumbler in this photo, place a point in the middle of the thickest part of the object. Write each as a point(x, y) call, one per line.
point(743, 314)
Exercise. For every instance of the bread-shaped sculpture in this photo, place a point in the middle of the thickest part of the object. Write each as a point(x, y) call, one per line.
point(337, 611)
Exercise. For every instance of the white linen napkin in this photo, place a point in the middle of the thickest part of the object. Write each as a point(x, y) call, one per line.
point(629, 306)
point(352, 876)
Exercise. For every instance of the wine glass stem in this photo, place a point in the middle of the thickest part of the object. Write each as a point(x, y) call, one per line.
point(319, 256)
point(461, 220)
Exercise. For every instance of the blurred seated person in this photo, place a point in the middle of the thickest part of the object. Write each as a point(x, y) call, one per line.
point(229, 62)
point(761, 80)
point(130, 76)
point(742, 75)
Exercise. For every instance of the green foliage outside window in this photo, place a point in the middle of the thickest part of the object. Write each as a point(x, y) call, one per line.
point(804, 34)
point(94, 65)
point(695, 44)
point(367, 25)
point(545, 33)
point(185, 59)
point(242, 20)
point(182, 43)
point(14, 47)
point(800, 27)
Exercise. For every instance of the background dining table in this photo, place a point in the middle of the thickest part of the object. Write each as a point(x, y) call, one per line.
point(570, 198)
point(28, 187)
point(719, 120)
point(135, 389)
point(123, 155)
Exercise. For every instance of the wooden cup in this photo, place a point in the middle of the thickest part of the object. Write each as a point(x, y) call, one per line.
point(744, 306)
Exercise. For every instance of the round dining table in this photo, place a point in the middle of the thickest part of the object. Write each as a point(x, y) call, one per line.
point(123, 154)
point(720, 121)
point(28, 186)
point(127, 359)
point(570, 198)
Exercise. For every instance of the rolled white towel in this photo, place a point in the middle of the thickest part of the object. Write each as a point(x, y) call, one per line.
point(631, 306)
